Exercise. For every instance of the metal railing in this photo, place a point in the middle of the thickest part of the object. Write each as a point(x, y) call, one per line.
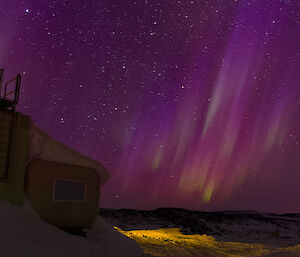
point(6, 101)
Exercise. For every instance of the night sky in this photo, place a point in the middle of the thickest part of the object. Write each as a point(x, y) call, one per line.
point(192, 104)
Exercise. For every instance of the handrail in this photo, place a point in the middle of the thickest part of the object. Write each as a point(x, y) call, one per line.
point(10, 102)
point(18, 84)
point(16, 90)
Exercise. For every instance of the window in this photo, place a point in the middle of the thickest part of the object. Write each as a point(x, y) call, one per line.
point(69, 190)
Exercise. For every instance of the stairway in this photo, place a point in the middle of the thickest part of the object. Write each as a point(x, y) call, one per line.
point(8, 102)
point(6, 130)
point(14, 142)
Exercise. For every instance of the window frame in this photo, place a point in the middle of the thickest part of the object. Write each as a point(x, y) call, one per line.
point(69, 180)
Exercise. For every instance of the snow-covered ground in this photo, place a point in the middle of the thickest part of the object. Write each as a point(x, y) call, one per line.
point(180, 232)
point(163, 232)
point(25, 234)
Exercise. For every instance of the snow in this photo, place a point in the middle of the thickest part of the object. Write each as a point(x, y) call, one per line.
point(170, 242)
point(247, 227)
point(185, 233)
point(25, 234)
point(42, 146)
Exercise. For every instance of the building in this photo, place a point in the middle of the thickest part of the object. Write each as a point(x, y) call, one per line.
point(62, 185)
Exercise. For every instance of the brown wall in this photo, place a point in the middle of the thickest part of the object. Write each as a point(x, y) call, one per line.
point(39, 187)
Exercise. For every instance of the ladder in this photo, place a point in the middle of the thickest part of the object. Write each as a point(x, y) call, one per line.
point(6, 139)
point(7, 123)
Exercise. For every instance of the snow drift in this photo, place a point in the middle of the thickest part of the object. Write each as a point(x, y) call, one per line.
point(24, 233)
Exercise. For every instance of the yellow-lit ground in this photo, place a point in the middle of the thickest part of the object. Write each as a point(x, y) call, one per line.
point(171, 242)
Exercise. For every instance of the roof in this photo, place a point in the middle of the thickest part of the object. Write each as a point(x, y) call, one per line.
point(43, 146)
